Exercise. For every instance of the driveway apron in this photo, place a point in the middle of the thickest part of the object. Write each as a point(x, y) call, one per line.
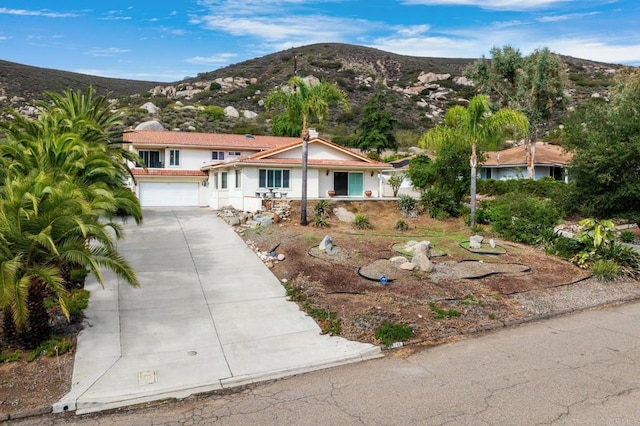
point(208, 315)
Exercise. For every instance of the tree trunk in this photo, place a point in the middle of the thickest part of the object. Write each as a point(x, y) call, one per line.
point(530, 150)
point(38, 329)
point(9, 329)
point(473, 162)
point(305, 159)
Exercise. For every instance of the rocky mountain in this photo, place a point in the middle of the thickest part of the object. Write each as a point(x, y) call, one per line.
point(231, 99)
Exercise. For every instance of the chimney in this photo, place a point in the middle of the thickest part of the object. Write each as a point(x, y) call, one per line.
point(313, 133)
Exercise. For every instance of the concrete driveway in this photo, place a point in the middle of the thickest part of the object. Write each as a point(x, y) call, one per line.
point(208, 315)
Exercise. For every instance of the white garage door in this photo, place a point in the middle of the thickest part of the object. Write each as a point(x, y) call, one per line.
point(168, 194)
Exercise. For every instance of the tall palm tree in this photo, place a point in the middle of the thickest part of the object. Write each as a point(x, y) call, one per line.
point(475, 126)
point(302, 103)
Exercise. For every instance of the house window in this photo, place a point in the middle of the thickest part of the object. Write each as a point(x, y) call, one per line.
point(274, 178)
point(217, 155)
point(151, 159)
point(223, 180)
point(238, 178)
point(233, 154)
point(487, 173)
point(174, 157)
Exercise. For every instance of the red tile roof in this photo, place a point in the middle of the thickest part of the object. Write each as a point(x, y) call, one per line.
point(167, 172)
point(545, 155)
point(262, 158)
point(207, 140)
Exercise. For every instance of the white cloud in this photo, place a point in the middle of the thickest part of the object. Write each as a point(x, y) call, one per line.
point(220, 58)
point(109, 51)
point(567, 17)
point(491, 4)
point(598, 50)
point(44, 13)
point(115, 15)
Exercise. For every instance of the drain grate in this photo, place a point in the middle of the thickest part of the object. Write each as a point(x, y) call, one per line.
point(146, 377)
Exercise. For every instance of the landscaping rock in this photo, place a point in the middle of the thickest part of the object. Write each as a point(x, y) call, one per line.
point(408, 266)
point(475, 242)
point(344, 215)
point(399, 260)
point(421, 257)
point(326, 245)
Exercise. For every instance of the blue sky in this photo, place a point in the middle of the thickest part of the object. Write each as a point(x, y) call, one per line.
point(168, 41)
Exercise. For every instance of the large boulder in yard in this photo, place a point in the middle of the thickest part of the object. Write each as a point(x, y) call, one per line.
point(422, 257)
point(326, 244)
point(475, 242)
point(344, 215)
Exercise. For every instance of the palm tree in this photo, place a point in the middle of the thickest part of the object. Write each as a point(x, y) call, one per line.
point(302, 103)
point(46, 223)
point(474, 126)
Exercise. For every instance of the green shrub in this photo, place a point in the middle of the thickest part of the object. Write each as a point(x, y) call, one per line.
point(322, 208)
point(408, 205)
point(522, 218)
point(401, 225)
point(361, 221)
point(320, 221)
point(214, 111)
point(389, 333)
point(440, 204)
point(9, 356)
point(78, 301)
point(52, 347)
point(215, 86)
point(564, 247)
point(627, 237)
point(605, 269)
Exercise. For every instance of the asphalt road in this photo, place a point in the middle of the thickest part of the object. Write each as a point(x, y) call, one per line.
point(580, 369)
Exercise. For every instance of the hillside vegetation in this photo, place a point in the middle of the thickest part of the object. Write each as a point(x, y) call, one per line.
point(419, 89)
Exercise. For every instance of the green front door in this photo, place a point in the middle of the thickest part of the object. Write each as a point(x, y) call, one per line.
point(356, 184)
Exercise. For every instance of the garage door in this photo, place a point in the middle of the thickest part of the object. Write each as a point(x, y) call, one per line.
point(168, 194)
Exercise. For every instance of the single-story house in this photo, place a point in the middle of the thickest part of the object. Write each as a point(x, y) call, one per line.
point(332, 171)
point(216, 170)
point(173, 176)
point(549, 160)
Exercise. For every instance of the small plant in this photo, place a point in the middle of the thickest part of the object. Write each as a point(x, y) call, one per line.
point(52, 347)
point(361, 221)
point(605, 269)
point(491, 315)
point(328, 321)
point(9, 356)
point(439, 313)
point(78, 301)
point(408, 205)
point(627, 237)
point(322, 208)
point(401, 225)
point(470, 299)
point(320, 221)
point(395, 181)
point(389, 333)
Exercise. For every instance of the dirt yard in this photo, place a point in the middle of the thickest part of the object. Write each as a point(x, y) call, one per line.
point(482, 285)
point(490, 289)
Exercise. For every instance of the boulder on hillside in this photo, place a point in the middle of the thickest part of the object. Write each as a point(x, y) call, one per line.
point(231, 112)
point(150, 107)
point(150, 125)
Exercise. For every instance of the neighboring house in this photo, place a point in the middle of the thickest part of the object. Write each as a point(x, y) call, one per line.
point(217, 170)
point(333, 170)
point(174, 160)
point(549, 160)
